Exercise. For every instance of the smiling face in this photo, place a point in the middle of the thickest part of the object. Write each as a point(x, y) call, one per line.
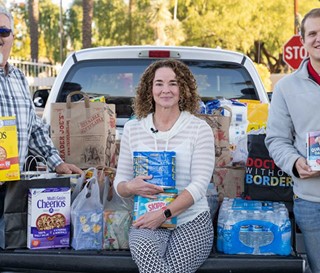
point(311, 39)
point(5, 42)
point(165, 89)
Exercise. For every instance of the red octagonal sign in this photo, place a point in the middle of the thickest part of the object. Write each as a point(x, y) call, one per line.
point(294, 52)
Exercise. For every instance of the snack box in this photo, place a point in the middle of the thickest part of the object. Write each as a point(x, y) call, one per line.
point(143, 205)
point(9, 158)
point(160, 164)
point(48, 218)
point(313, 150)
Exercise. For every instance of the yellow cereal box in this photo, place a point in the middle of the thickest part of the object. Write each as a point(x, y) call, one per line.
point(9, 159)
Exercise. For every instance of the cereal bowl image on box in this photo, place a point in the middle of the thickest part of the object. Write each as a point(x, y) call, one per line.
point(48, 218)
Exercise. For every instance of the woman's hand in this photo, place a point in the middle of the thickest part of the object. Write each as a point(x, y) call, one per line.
point(151, 220)
point(138, 186)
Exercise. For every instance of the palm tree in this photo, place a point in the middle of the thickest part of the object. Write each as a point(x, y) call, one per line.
point(33, 13)
point(87, 8)
point(168, 31)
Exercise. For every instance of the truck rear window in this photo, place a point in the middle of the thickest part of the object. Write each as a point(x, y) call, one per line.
point(117, 80)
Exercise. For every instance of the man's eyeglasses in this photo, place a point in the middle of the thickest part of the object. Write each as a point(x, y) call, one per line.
point(5, 32)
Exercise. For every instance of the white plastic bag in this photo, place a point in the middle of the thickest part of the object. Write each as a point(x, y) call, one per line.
point(117, 215)
point(87, 217)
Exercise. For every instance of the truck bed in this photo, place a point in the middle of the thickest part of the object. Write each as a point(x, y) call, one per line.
point(68, 260)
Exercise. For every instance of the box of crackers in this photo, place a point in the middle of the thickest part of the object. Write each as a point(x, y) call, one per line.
point(9, 158)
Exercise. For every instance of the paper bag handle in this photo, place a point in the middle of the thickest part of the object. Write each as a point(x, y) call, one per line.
point(220, 109)
point(85, 97)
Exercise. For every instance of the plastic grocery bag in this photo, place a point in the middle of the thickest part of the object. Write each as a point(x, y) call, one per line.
point(117, 216)
point(81, 181)
point(86, 217)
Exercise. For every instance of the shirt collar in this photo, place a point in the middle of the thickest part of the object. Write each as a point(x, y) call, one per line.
point(313, 73)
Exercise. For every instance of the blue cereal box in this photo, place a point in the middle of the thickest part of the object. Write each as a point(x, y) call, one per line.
point(143, 205)
point(48, 218)
point(161, 165)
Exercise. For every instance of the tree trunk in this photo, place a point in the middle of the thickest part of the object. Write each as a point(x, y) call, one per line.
point(87, 8)
point(130, 22)
point(33, 13)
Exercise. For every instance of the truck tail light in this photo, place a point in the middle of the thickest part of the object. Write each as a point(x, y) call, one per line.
point(159, 54)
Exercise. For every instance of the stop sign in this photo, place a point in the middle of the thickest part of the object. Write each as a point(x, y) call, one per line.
point(294, 52)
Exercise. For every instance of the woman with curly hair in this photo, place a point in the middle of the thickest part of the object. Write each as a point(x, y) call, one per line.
point(164, 106)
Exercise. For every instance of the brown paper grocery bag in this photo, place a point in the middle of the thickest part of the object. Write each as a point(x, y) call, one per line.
point(229, 182)
point(80, 131)
point(220, 125)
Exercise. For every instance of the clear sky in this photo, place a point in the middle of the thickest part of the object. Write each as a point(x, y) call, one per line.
point(65, 3)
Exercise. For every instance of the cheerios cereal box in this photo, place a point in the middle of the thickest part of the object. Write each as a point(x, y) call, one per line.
point(9, 159)
point(48, 218)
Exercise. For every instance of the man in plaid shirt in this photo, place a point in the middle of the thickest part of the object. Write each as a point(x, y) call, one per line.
point(15, 100)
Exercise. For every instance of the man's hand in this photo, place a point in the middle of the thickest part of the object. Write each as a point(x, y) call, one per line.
point(65, 168)
point(304, 169)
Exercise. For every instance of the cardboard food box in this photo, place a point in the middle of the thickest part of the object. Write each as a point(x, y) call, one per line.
point(160, 164)
point(9, 159)
point(48, 218)
point(313, 150)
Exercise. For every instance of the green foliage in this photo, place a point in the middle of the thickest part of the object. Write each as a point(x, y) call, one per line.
point(264, 75)
point(50, 29)
point(110, 18)
point(21, 46)
point(73, 28)
point(258, 28)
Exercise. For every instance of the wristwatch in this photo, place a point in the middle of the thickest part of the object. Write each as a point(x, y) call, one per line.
point(167, 212)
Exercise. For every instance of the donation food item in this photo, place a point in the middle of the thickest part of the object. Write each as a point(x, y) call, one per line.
point(313, 150)
point(9, 159)
point(48, 218)
point(144, 204)
point(161, 165)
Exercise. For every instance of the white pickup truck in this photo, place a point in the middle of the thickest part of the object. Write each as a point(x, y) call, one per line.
point(113, 72)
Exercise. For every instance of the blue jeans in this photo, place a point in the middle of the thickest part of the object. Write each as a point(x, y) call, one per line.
point(307, 215)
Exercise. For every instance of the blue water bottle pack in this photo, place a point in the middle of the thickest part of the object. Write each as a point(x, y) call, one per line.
point(253, 227)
